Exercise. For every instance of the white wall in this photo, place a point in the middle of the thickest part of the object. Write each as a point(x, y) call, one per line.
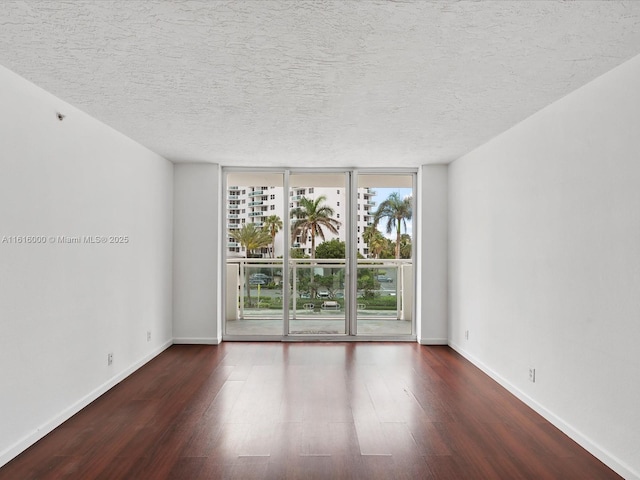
point(431, 302)
point(64, 307)
point(197, 262)
point(545, 263)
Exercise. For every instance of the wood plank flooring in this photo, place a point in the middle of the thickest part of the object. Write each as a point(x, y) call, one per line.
point(307, 411)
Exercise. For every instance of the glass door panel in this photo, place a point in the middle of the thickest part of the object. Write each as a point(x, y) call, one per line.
point(255, 244)
point(317, 265)
point(385, 267)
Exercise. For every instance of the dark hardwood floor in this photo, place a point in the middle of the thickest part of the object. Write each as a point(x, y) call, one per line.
point(307, 411)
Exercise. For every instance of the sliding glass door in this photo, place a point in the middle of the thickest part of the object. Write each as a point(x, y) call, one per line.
point(317, 260)
point(254, 249)
point(385, 240)
point(318, 254)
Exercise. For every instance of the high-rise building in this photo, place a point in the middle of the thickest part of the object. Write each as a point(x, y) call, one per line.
point(253, 204)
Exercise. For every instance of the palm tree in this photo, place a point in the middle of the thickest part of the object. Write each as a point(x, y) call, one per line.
point(251, 238)
point(405, 246)
point(397, 211)
point(374, 240)
point(310, 218)
point(272, 224)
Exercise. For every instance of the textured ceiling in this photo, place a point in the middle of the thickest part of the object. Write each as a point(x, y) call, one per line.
point(312, 83)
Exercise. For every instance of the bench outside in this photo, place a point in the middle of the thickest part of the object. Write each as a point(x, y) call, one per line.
point(330, 305)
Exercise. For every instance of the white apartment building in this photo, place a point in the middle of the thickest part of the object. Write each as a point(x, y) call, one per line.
point(252, 204)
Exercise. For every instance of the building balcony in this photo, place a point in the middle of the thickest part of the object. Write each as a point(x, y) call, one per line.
point(233, 244)
point(256, 193)
point(256, 203)
point(390, 283)
point(233, 226)
point(257, 214)
point(233, 197)
point(233, 215)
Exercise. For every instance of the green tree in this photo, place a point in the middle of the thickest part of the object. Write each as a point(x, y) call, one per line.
point(311, 218)
point(303, 281)
point(388, 249)
point(396, 211)
point(273, 224)
point(405, 246)
point(251, 238)
point(367, 283)
point(297, 253)
point(332, 249)
point(375, 240)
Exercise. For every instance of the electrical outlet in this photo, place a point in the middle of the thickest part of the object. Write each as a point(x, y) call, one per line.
point(532, 374)
point(148, 335)
point(466, 334)
point(109, 358)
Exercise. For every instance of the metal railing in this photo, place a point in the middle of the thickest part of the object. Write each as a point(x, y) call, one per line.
point(382, 286)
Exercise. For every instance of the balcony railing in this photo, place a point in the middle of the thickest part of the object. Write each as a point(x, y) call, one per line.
point(256, 193)
point(384, 288)
point(254, 204)
point(257, 214)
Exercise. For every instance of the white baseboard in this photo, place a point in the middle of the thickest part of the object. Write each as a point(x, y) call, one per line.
point(197, 341)
point(593, 448)
point(21, 445)
point(433, 341)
